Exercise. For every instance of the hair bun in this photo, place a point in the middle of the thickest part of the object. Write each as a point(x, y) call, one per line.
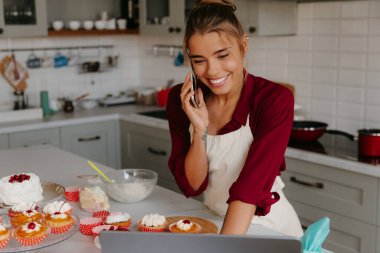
point(228, 3)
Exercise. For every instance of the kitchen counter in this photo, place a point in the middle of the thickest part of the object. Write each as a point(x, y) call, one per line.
point(129, 113)
point(58, 166)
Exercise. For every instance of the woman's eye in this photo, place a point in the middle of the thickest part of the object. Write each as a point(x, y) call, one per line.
point(198, 61)
point(223, 56)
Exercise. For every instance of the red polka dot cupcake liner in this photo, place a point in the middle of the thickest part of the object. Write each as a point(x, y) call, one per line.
point(151, 229)
point(28, 241)
point(97, 230)
point(61, 229)
point(4, 242)
point(101, 214)
point(87, 224)
point(72, 193)
point(123, 227)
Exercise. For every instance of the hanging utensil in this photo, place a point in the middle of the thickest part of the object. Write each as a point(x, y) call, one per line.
point(15, 70)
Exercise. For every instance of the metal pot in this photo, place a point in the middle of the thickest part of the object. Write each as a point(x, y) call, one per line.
point(368, 139)
point(369, 142)
point(313, 130)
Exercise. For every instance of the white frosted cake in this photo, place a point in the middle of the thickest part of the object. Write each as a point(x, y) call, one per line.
point(24, 187)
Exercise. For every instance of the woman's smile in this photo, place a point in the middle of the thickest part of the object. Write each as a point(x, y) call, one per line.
point(219, 81)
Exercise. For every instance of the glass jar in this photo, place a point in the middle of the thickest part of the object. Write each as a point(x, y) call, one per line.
point(92, 197)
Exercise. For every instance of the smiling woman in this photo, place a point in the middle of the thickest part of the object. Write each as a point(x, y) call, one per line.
point(231, 146)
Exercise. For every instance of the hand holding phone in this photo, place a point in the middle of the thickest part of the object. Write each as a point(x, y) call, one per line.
point(194, 99)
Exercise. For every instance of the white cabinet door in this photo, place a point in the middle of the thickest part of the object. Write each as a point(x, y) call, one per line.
point(95, 141)
point(35, 137)
point(4, 141)
point(164, 17)
point(148, 148)
point(267, 18)
point(19, 18)
point(346, 234)
point(346, 193)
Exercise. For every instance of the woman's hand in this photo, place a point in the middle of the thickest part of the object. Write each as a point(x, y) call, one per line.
point(197, 116)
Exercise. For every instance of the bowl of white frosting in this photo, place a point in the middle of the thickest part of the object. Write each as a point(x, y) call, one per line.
point(130, 185)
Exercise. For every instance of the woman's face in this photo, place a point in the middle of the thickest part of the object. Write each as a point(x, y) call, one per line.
point(217, 61)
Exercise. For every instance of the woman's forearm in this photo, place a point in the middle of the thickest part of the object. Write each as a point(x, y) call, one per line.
point(238, 218)
point(196, 164)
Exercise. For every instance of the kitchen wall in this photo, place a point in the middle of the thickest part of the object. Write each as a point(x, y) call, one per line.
point(333, 61)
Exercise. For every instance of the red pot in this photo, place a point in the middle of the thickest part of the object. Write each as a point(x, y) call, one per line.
point(369, 142)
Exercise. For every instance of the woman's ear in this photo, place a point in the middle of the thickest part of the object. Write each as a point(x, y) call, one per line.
point(245, 44)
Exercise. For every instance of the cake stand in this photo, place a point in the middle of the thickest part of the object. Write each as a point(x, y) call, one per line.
point(51, 239)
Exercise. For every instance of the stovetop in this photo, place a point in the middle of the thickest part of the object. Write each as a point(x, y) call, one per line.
point(336, 146)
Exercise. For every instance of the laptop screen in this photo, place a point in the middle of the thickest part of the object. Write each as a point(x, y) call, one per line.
point(144, 242)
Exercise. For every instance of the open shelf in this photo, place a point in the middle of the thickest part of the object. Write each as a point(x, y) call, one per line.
point(82, 32)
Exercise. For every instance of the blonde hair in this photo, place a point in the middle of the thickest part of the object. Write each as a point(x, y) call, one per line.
point(213, 16)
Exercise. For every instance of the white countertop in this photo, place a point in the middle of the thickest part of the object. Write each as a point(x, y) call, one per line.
point(58, 166)
point(128, 113)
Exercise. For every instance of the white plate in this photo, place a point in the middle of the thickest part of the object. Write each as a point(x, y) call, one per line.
point(51, 192)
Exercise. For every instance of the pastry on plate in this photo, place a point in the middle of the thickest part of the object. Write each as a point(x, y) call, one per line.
point(58, 206)
point(5, 235)
point(59, 222)
point(121, 220)
point(152, 223)
point(31, 233)
point(185, 226)
point(25, 216)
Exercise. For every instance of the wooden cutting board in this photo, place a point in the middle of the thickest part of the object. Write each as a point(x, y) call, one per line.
point(208, 227)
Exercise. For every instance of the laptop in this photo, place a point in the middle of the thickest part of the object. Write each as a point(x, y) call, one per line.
point(144, 242)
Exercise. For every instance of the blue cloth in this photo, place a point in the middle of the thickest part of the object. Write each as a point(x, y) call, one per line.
point(315, 235)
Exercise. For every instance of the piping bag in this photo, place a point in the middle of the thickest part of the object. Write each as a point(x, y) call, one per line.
point(315, 235)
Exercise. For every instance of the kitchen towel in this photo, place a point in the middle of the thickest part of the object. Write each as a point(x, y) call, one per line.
point(315, 235)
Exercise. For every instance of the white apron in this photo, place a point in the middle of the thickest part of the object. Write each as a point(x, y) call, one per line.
point(226, 156)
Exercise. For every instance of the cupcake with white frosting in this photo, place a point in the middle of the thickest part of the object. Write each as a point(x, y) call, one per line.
point(23, 213)
point(30, 233)
point(185, 226)
point(57, 217)
point(5, 235)
point(122, 220)
point(152, 223)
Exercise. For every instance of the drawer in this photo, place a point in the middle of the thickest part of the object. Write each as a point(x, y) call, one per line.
point(346, 193)
point(35, 137)
point(346, 235)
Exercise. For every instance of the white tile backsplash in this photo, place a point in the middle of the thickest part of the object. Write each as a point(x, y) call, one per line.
point(333, 61)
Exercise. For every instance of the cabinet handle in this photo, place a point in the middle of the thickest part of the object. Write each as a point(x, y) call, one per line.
point(1, 30)
point(156, 152)
point(171, 29)
point(178, 29)
point(95, 138)
point(315, 185)
point(252, 29)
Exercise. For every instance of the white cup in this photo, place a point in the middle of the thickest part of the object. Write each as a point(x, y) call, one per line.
point(57, 25)
point(122, 24)
point(111, 24)
point(100, 24)
point(88, 24)
point(74, 25)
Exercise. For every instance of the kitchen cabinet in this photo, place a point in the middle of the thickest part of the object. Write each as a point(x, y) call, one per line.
point(4, 141)
point(35, 137)
point(164, 17)
point(21, 18)
point(349, 199)
point(95, 141)
point(147, 148)
point(267, 18)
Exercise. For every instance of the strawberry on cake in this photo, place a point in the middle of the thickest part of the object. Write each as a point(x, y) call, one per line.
point(24, 187)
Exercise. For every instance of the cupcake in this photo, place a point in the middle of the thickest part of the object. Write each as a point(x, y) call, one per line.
point(121, 220)
point(5, 234)
point(185, 226)
point(59, 222)
point(19, 208)
point(26, 217)
point(88, 223)
point(30, 233)
point(152, 223)
point(58, 206)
